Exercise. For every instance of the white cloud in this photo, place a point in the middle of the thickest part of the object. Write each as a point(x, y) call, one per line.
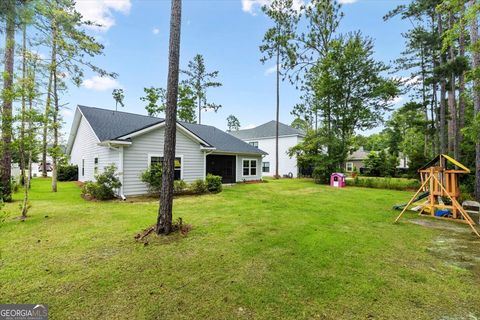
point(250, 6)
point(101, 11)
point(156, 31)
point(396, 100)
point(271, 70)
point(347, 1)
point(67, 113)
point(98, 83)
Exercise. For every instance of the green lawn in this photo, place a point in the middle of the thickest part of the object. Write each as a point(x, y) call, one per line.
point(286, 249)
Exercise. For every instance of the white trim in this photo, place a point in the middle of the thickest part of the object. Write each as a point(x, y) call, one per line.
point(250, 167)
point(160, 155)
point(108, 143)
point(162, 124)
point(346, 166)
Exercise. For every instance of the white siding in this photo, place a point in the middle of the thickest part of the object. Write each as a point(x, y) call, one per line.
point(240, 176)
point(136, 159)
point(85, 146)
point(286, 164)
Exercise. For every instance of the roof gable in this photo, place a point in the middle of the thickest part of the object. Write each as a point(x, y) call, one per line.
point(267, 130)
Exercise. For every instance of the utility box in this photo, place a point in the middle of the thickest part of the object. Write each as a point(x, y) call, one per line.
point(337, 180)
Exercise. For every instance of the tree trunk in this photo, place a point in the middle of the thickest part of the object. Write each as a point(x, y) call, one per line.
point(476, 99)
point(452, 104)
point(48, 103)
point(277, 116)
point(199, 110)
point(55, 121)
point(443, 86)
point(461, 95)
point(30, 144)
point(24, 101)
point(164, 219)
point(6, 165)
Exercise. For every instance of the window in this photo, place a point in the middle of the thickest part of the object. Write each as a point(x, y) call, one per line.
point(95, 165)
point(83, 167)
point(177, 165)
point(265, 166)
point(249, 167)
point(349, 166)
point(254, 143)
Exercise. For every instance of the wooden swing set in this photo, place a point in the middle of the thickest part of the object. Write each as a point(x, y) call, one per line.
point(438, 181)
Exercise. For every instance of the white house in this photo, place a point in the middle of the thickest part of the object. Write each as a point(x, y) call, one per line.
point(263, 137)
point(132, 142)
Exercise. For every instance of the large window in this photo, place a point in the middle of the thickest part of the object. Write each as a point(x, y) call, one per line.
point(254, 143)
point(349, 167)
point(95, 165)
point(265, 166)
point(177, 165)
point(249, 167)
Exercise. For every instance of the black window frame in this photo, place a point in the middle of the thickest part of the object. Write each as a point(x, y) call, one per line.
point(266, 167)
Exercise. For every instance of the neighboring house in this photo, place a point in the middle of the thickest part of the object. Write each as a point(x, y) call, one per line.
point(132, 142)
point(263, 137)
point(357, 158)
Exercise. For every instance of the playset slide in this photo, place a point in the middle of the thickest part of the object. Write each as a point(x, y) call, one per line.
point(421, 196)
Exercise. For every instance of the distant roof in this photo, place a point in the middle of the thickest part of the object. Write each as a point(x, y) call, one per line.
point(111, 125)
point(359, 154)
point(267, 130)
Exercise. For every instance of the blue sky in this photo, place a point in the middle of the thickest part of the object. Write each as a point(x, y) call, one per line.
point(228, 34)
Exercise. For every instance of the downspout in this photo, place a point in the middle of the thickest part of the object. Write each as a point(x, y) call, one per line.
point(120, 169)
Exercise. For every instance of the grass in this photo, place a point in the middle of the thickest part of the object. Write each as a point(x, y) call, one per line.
point(286, 249)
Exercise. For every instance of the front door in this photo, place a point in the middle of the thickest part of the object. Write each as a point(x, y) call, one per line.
point(223, 166)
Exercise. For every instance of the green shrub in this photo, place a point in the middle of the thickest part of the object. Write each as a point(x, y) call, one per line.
point(179, 186)
point(384, 183)
point(199, 186)
point(214, 183)
point(104, 186)
point(321, 175)
point(153, 178)
point(67, 173)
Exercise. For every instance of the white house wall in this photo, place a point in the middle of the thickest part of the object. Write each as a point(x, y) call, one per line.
point(85, 146)
point(239, 169)
point(136, 159)
point(286, 164)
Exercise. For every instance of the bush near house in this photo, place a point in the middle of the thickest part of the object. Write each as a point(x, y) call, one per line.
point(199, 186)
point(179, 186)
point(105, 185)
point(214, 183)
point(153, 178)
point(384, 183)
point(67, 172)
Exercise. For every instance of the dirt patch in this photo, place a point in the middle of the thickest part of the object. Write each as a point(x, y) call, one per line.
point(457, 246)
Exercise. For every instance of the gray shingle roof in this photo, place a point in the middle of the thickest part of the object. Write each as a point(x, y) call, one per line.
point(221, 140)
point(111, 125)
point(266, 130)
